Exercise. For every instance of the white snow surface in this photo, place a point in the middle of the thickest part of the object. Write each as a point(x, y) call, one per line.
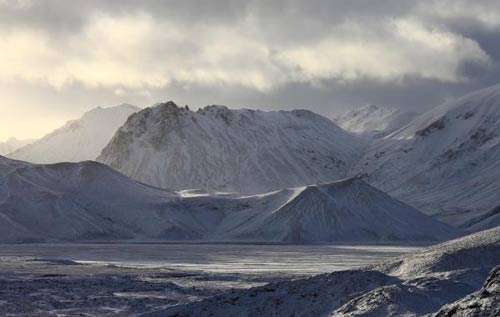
point(374, 121)
point(78, 140)
point(245, 151)
point(89, 201)
point(446, 162)
point(417, 284)
point(13, 144)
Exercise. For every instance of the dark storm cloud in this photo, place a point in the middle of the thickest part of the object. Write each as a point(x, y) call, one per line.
point(321, 55)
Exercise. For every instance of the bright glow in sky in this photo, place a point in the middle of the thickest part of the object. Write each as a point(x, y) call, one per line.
point(61, 58)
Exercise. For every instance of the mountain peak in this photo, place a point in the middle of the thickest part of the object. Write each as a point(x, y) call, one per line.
point(217, 148)
point(13, 144)
point(79, 139)
point(168, 104)
point(215, 108)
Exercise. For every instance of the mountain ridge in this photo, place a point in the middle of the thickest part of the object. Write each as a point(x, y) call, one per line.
point(13, 144)
point(217, 148)
point(445, 162)
point(89, 201)
point(77, 140)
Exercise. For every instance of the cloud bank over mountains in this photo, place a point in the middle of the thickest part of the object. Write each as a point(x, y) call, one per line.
point(321, 55)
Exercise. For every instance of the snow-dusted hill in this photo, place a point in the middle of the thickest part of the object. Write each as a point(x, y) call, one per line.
point(374, 121)
point(13, 144)
point(75, 201)
point(244, 151)
point(416, 284)
point(88, 201)
point(446, 162)
point(349, 210)
point(78, 140)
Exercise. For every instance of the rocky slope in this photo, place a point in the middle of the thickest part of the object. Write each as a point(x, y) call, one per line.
point(484, 302)
point(216, 148)
point(446, 162)
point(78, 140)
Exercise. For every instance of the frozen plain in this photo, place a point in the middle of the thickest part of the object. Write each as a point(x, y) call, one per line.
point(128, 279)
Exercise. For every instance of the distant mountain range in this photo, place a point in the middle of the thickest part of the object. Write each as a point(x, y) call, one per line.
point(78, 140)
point(13, 144)
point(445, 162)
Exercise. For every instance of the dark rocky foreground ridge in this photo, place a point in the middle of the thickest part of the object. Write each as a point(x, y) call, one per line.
point(417, 284)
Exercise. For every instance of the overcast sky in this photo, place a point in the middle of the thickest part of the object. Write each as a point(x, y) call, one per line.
point(61, 58)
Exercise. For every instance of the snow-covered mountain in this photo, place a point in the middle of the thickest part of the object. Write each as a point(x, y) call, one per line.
point(13, 144)
point(88, 200)
point(446, 162)
point(416, 284)
point(374, 121)
point(78, 140)
point(244, 151)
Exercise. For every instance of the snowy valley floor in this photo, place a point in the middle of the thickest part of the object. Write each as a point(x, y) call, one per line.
point(446, 279)
point(130, 279)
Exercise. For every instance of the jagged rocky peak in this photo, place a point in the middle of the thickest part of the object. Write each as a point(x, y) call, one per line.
point(168, 108)
point(217, 148)
point(214, 109)
point(220, 112)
